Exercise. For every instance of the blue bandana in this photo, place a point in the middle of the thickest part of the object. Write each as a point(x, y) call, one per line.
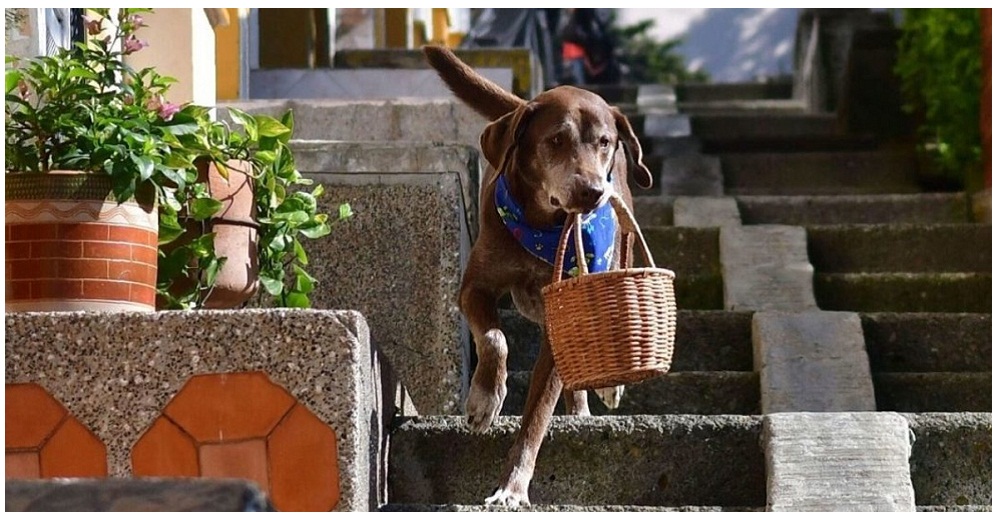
point(599, 230)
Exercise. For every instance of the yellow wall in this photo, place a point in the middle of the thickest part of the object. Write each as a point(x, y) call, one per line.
point(227, 57)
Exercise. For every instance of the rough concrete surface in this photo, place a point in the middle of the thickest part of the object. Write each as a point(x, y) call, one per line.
point(952, 461)
point(838, 462)
point(115, 372)
point(691, 174)
point(929, 342)
point(766, 268)
point(706, 212)
point(135, 495)
point(802, 210)
point(812, 362)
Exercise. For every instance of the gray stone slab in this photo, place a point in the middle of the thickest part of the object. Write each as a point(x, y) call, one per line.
point(399, 119)
point(655, 98)
point(399, 261)
point(766, 268)
point(759, 106)
point(801, 210)
point(691, 175)
point(670, 146)
point(666, 125)
point(396, 156)
point(812, 362)
point(134, 495)
point(905, 292)
point(115, 372)
point(672, 461)
point(460, 508)
point(934, 391)
point(358, 84)
point(711, 212)
point(838, 462)
point(733, 91)
point(952, 461)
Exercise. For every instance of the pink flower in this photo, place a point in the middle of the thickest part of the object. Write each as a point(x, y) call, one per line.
point(133, 44)
point(136, 21)
point(94, 27)
point(166, 110)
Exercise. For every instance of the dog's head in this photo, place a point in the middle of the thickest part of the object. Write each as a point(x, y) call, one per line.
point(565, 145)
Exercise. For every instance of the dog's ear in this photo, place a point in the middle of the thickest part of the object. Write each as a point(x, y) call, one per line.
point(640, 172)
point(500, 137)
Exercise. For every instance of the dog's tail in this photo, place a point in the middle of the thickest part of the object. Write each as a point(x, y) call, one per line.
point(485, 97)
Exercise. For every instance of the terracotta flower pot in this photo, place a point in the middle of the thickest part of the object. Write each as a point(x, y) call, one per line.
point(70, 246)
point(235, 227)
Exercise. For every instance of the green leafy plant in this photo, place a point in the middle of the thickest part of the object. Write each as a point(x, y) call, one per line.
point(286, 214)
point(85, 109)
point(939, 65)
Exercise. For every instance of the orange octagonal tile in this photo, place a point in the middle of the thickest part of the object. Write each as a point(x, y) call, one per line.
point(44, 441)
point(220, 407)
point(31, 415)
point(303, 455)
point(242, 425)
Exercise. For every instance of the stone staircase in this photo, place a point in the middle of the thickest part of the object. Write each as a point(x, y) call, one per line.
point(833, 345)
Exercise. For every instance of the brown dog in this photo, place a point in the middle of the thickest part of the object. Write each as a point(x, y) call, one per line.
point(566, 151)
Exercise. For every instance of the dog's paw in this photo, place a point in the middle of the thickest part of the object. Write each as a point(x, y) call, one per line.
point(506, 498)
point(483, 406)
point(612, 396)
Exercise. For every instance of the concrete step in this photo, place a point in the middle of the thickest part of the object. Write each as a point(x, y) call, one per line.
point(774, 132)
point(742, 106)
point(900, 248)
point(658, 461)
point(820, 173)
point(805, 210)
point(704, 92)
point(934, 392)
point(928, 342)
point(615, 94)
point(555, 508)
point(698, 393)
point(904, 292)
point(951, 460)
point(705, 341)
point(693, 254)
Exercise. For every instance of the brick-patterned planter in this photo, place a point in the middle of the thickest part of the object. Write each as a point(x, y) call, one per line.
point(70, 246)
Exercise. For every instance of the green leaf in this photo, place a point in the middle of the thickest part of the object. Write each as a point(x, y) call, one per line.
point(288, 120)
point(212, 270)
point(273, 286)
point(316, 231)
point(345, 212)
point(145, 166)
point(246, 121)
point(13, 77)
point(271, 127)
point(292, 217)
point(297, 300)
point(304, 283)
point(300, 252)
point(170, 229)
point(202, 209)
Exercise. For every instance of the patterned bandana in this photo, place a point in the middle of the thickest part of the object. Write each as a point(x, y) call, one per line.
point(599, 230)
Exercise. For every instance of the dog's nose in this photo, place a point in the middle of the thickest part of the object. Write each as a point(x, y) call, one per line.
point(591, 195)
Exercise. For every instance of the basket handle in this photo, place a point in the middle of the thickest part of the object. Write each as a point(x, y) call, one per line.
point(627, 225)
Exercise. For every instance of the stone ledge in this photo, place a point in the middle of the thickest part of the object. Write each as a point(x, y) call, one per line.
point(135, 495)
point(766, 268)
point(116, 372)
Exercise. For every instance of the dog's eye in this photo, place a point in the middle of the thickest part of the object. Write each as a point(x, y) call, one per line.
point(605, 142)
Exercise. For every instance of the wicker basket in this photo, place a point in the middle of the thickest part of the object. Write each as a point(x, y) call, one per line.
point(615, 327)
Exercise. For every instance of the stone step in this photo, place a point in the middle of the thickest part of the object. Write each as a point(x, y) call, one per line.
point(696, 92)
point(934, 392)
point(741, 106)
point(135, 494)
point(804, 210)
point(904, 292)
point(951, 460)
point(774, 132)
point(928, 342)
point(615, 94)
point(693, 254)
point(556, 508)
point(900, 248)
point(819, 173)
point(659, 461)
point(698, 393)
point(705, 341)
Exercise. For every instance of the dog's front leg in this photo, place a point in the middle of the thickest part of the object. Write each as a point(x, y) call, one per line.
point(538, 408)
point(489, 381)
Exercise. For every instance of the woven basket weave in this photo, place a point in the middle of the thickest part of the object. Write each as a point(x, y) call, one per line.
point(614, 327)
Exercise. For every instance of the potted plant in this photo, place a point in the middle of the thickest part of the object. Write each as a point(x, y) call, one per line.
point(105, 180)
